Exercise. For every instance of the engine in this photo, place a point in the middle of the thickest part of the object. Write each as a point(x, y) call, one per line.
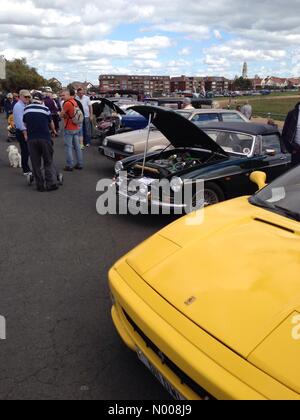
point(170, 165)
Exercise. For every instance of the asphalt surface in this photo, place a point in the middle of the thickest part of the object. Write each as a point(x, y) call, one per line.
point(55, 252)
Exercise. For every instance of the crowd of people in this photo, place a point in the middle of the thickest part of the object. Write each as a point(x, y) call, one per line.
point(37, 118)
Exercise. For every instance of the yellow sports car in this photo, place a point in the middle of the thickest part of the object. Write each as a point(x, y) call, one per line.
point(211, 305)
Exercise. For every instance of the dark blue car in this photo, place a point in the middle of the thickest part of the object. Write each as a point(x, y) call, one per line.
point(133, 121)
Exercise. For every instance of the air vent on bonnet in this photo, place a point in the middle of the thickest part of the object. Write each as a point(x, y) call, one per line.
point(275, 225)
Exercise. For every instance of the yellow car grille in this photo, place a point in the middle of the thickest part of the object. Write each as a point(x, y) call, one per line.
point(186, 380)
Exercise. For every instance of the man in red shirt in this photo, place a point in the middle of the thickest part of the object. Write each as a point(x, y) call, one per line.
point(71, 132)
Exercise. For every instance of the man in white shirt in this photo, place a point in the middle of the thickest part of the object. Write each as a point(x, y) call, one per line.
point(88, 116)
point(247, 110)
point(187, 104)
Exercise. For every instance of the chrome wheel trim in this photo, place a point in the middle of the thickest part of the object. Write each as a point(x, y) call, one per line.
point(210, 197)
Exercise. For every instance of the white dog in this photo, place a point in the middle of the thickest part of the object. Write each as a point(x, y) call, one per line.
point(14, 157)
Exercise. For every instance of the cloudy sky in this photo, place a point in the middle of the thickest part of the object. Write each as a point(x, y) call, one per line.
point(78, 40)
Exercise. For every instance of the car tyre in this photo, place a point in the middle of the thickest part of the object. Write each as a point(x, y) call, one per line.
point(213, 194)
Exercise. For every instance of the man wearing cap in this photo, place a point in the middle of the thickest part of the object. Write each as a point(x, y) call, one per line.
point(21, 134)
point(52, 105)
point(37, 118)
point(9, 104)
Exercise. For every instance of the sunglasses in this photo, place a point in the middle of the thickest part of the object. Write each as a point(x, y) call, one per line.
point(27, 97)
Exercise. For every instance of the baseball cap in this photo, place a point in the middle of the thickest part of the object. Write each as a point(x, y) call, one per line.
point(37, 96)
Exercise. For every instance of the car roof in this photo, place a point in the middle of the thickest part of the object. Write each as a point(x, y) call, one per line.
point(244, 127)
point(208, 111)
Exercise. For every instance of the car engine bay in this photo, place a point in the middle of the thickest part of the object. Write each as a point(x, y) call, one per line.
point(174, 163)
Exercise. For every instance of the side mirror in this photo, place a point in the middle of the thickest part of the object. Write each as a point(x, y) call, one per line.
point(271, 152)
point(259, 178)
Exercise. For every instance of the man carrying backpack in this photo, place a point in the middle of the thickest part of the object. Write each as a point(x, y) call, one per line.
point(73, 117)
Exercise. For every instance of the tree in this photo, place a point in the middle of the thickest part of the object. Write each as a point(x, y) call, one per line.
point(55, 84)
point(242, 84)
point(19, 75)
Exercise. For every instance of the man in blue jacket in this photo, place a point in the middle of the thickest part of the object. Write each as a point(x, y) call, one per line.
point(291, 134)
point(37, 119)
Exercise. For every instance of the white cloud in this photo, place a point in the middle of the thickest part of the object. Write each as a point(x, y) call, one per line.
point(185, 51)
point(80, 37)
point(217, 34)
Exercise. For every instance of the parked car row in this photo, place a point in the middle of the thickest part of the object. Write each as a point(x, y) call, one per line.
point(212, 308)
point(222, 154)
point(127, 144)
point(115, 115)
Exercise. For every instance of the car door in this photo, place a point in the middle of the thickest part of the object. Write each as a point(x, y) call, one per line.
point(275, 162)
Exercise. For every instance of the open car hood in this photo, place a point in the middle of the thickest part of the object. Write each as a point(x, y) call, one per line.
point(113, 106)
point(178, 130)
point(98, 107)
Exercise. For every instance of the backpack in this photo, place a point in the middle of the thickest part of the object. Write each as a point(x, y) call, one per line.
point(78, 116)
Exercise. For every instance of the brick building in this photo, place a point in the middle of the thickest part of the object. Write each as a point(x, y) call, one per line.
point(217, 84)
point(149, 85)
point(186, 84)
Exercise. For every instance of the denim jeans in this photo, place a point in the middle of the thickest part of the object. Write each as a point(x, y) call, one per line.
point(24, 151)
point(72, 142)
point(86, 131)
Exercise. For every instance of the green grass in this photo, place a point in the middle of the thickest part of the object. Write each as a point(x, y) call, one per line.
point(277, 106)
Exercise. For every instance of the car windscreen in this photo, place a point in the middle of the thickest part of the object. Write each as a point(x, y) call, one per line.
point(234, 143)
point(271, 142)
point(202, 119)
point(282, 195)
point(232, 117)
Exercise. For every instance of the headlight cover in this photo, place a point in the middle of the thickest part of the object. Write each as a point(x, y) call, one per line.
point(129, 148)
point(119, 167)
point(176, 184)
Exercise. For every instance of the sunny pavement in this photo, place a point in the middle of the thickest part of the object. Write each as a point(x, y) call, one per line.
point(55, 252)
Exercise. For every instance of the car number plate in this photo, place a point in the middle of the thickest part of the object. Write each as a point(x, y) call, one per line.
point(164, 382)
point(110, 154)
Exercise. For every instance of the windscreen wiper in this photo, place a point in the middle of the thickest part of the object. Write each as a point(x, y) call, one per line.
point(278, 209)
point(290, 213)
